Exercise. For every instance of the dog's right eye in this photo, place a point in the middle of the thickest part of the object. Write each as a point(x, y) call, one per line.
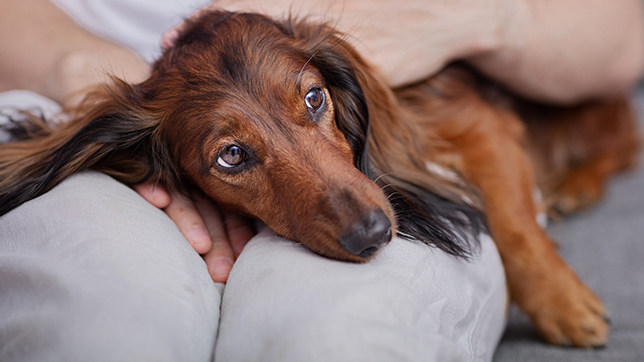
point(231, 156)
point(314, 99)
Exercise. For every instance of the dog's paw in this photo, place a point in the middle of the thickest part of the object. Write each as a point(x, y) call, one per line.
point(570, 314)
point(580, 190)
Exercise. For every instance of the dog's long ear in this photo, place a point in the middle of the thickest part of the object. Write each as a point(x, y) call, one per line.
point(428, 207)
point(332, 57)
point(110, 132)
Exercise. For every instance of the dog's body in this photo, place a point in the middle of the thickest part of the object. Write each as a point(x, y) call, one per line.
point(285, 123)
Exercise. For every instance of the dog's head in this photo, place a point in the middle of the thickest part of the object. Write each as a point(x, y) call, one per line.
point(270, 120)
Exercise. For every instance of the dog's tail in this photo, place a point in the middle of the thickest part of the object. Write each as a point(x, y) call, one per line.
point(109, 132)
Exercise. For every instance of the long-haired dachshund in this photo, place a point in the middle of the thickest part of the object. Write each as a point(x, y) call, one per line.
point(284, 122)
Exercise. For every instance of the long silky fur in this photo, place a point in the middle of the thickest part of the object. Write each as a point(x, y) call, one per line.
point(116, 132)
point(370, 117)
point(112, 135)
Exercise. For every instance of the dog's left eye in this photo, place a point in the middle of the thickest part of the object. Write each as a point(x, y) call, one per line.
point(231, 156)
point(314, 99)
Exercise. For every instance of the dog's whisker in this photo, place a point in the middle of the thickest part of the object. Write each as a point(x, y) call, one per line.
point(381, 176)
point(299, 75)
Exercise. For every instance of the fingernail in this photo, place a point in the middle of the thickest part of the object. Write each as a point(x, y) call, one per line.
point(199, 236)
point(221, 269)
point(159, 194)
point(169, 39)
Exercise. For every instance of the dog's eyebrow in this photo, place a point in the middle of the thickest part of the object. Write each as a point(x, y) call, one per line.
point(299, 75)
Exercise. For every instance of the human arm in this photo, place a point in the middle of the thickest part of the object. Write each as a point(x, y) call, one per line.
point(568, 51)
point(554, 51)
point(45, 51)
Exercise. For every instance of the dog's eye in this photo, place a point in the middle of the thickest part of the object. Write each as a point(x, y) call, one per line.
point(231, 156)
point(314, 99)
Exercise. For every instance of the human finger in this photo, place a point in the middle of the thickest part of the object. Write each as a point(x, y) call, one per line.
point(155, 194)
point(239, 231)
point(220, 258)
point(170, 37)
point(182, 210)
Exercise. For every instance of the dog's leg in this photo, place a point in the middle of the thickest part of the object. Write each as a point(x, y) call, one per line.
point(562, 308)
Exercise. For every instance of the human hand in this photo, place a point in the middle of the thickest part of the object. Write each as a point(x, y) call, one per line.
point(427, 36)
point(219, 238)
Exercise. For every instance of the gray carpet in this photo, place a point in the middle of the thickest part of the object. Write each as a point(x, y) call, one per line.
point(606, 247)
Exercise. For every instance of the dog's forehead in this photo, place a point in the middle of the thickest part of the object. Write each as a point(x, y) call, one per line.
point(242, 51)
point(240, 71)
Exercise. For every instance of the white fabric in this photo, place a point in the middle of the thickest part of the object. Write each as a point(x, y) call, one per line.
point(137, 24)
point(410, 303)
point(91, 270)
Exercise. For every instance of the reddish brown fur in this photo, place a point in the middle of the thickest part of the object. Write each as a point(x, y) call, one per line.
point(506, 163)
point(303, 181)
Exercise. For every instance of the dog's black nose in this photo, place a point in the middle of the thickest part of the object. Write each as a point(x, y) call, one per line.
point(366, 237)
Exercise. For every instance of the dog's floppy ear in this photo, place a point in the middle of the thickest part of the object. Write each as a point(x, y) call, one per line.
point(110, 132)
point(428, 207)
point(333, 58)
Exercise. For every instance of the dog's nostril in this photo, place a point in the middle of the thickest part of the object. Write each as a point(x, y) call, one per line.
point(369, 252)
point(366, 237)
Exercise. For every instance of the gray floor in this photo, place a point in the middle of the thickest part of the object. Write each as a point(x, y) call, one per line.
point(606, 247)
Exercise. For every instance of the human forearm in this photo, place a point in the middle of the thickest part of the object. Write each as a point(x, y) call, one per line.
point(405, 40)
point(565, 51)
point(559, 51)
point(45, 51)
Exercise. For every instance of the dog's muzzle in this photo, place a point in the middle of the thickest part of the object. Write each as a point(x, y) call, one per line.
point(366, 237)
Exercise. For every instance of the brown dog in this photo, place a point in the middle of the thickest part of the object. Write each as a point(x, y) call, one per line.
point(286, 123)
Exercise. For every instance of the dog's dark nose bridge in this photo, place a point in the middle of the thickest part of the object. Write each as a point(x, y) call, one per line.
point(367, 236)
